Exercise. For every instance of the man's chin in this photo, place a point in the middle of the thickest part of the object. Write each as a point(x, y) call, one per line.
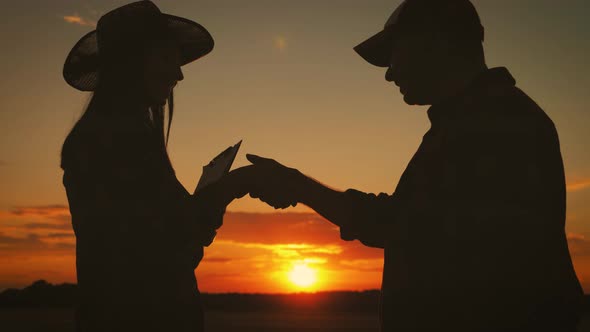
point(414, 100)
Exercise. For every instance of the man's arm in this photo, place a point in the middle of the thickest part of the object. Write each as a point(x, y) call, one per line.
point(359, 215)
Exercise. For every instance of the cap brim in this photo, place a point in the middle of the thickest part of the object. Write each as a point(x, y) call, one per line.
point(377, 49)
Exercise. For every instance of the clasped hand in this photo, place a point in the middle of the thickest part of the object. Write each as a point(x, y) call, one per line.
point(277, 185)
point(267, 180)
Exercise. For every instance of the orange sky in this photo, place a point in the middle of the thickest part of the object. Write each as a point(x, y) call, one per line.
point(284, 78)
point(253, 252)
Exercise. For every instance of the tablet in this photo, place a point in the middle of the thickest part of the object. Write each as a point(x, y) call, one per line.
point(218, 166)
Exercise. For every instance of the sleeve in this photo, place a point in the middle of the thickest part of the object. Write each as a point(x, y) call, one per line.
point(368, 218)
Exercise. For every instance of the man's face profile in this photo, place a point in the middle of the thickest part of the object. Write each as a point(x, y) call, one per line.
point(415, 66)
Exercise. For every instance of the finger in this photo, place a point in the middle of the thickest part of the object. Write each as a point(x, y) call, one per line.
point(261, 161)
point(254, 195)
point(241, 194)
point(280, 204)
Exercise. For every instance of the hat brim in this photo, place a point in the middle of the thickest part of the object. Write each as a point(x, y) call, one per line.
point(81, 68)
point(192, 38)
point(377, 49)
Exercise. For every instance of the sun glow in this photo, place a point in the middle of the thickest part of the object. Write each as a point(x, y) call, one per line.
point(302, 275)
point(280, 43)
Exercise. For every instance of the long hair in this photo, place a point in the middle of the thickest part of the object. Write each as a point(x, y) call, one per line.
point(119, 94)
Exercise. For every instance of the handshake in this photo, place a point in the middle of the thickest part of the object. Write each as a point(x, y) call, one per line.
point(266, 179)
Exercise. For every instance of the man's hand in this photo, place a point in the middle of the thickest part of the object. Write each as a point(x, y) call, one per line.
point(275, 184)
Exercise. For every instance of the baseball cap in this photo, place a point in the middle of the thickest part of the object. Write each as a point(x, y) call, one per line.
point(456, 17)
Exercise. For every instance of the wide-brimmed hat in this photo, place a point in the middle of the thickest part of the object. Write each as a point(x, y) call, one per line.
point(457, 17)
point(125, 26)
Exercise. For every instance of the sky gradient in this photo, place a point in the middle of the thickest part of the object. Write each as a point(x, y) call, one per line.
point(284, 78)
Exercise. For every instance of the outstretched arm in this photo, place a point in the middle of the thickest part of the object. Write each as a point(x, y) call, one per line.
point(359, 215)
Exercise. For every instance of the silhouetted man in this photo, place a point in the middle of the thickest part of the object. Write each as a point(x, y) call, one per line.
point(474, 233)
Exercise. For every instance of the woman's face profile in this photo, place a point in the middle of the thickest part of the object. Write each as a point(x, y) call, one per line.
point(161, 71)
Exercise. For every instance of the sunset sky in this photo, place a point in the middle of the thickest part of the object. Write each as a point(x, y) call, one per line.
point(284, 78)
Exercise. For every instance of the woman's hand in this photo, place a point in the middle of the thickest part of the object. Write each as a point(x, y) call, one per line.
point(210, 202)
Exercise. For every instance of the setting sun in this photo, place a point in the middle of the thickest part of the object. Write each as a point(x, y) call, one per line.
point(302, 275)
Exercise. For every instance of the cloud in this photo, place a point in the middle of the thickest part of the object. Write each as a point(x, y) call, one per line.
point(579, 245)
point(214, 259)
point(33, 229)
point(370, 265)
point(578, 185)
point(37, 218)
point(278, 228)
point(79, 20)
point(60, 235)
point(33, 243)
point(46, 226)
point(6, 240)
point(41, 210)
point(576, 238)
point(290, 250)
point(36, 245)
point(253, 252)
point(44, 217)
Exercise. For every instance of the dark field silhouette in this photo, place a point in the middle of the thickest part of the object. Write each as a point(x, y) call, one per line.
point(46, 307)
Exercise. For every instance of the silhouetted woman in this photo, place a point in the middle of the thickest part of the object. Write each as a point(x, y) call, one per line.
point(139, 233)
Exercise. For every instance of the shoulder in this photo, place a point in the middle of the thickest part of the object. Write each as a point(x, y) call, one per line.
point(96, 136)
point(506, 111)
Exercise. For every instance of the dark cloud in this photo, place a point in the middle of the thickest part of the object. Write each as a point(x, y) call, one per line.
point(30, 240)
point(41, 210)
point(34, 243)
point(60, 235)
point(47, 226)
point(217, 259)
point(64, 246)
point(14, 245)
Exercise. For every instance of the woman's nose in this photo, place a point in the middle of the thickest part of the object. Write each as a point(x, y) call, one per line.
point(179, 75)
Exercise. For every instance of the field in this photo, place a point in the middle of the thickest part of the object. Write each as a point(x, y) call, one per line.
point(59, 319)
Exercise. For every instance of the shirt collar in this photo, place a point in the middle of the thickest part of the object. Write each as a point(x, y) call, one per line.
point(489, 79)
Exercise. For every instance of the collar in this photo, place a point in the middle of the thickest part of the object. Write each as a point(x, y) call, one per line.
point(488, 80)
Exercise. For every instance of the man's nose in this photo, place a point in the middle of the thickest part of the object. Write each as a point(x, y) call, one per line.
point(389, 75)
